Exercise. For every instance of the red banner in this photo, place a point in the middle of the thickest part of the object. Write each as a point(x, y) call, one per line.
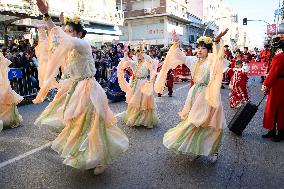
point(271, 29)
point(257, 68)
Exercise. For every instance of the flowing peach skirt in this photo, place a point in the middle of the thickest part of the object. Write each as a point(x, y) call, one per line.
point(9, 115)
point(141, 107)
point(89, 137)
point(200, 132)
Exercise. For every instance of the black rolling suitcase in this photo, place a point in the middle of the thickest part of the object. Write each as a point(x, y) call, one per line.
point(243, 116)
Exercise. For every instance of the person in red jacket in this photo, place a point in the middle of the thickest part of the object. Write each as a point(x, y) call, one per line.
point(189, 51)
point(264, 55)
point(247, 56)
point(228, 53)
point(238, 85)
point(273, 86)
point(170, 82)
point(238, 56)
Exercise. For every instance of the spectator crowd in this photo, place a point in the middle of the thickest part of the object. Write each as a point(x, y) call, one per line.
point(22, 55)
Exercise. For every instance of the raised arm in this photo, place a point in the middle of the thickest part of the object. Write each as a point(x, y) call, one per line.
point(174, 58)
point(216, 64)
point(4, 63)
point(151, 65)
point(43, 8)
point(123, 64)
point(41, 52)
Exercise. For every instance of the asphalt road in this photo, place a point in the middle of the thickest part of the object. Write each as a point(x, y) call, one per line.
point(249, 161)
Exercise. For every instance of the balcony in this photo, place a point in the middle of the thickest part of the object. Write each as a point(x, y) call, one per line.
point(178, 14)
point(20, 8)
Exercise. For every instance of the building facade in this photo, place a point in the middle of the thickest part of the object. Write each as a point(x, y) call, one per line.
point(154, 21)
point(219, 15)
point(195, 14)
point(100, 17)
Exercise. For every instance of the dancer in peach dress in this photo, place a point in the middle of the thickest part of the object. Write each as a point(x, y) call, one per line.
point(141, 109)
point(9, 115)
point(90, 139)
point(201, 128)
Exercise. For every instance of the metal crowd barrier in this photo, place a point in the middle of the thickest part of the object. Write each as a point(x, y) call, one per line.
point(24, 81)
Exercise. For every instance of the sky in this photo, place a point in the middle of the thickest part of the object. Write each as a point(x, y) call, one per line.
point(255, 10)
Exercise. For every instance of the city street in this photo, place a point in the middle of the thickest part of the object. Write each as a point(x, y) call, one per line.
point(27, 161)
point(75, 42)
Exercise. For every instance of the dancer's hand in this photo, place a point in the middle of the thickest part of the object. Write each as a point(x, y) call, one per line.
point(141, 46)
point(42, 7)
point(126, 47)
point(143, 43)
point(218, 37)
point(126, 50)
point(61, 18)
point(175, 36)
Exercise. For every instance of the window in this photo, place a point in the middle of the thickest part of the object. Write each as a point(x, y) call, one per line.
point(191, 38)
point(145, 4)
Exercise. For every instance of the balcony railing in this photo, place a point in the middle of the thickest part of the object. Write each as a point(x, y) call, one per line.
point(115, 17)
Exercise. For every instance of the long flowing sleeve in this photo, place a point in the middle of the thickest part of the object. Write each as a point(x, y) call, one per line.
point(174, 58)
point(4, 63)
point(123, 64)
point(41, 51)
point(7, 95)
point(51, 57)
point(147, 88)
point(152, 66)
point(216, 65)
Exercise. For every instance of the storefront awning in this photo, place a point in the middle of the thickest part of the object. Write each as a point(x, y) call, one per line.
point(103, 30)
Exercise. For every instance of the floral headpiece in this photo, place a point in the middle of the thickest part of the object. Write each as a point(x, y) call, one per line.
point(204, 39)
point(75, 20)
point(138, 49)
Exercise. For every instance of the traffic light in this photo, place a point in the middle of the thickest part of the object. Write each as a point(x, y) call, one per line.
point(245, 21)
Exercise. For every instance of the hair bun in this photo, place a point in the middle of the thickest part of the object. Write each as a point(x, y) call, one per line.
point(84, 33)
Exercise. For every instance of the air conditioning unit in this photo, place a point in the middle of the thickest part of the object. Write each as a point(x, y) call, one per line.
point(148, 11)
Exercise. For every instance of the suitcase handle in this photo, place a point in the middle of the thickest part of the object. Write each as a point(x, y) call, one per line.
point(261, 100)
